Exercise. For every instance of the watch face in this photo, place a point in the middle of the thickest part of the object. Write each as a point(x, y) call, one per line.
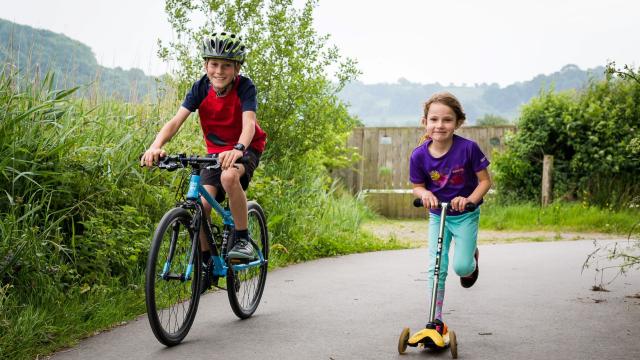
point(239, 147)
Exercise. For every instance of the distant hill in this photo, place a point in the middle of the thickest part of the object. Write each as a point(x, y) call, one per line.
point(396, 104)
point(400, 104)
point(35, 50)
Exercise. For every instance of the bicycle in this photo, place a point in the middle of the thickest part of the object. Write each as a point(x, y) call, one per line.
point(174, 267)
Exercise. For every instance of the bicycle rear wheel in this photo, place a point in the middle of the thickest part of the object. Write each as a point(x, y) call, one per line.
point(172, 282)
point(245, 286)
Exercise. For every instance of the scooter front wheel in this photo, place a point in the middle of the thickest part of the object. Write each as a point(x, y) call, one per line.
point(453, 344)
point(402, 342)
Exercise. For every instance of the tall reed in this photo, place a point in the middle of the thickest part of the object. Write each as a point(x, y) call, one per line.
point(72, 224)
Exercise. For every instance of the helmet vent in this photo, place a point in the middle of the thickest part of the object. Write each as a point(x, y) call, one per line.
point(224, 45)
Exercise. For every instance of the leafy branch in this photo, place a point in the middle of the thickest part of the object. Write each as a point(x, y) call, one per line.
point(627, 72)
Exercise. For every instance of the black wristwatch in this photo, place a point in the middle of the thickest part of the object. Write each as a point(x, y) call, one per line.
point(239, 146)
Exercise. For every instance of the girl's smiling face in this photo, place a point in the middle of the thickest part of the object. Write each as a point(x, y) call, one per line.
point(441, 122)
point(221, 72)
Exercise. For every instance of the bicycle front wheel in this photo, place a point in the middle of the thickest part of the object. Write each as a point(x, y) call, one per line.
point(173, 278)
point(246, 284)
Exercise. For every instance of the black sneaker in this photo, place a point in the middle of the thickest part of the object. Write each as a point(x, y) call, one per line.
point(242, 250)
point(206, 276)
point(468, 281)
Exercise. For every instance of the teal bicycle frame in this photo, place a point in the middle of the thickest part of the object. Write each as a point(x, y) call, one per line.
point(220, 268)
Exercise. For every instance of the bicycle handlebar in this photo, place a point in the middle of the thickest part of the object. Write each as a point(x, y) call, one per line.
point(469, 207)
point(174, 162)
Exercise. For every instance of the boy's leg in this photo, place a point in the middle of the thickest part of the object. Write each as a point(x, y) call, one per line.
point(234, 182)
point(230, 180)
point(204, 246)
point(465, 233)
point(434, 228)
point(207, 215)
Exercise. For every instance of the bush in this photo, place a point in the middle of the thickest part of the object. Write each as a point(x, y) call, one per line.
point(593, 136)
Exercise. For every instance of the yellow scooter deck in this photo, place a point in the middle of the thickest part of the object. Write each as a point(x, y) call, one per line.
point(429, 337)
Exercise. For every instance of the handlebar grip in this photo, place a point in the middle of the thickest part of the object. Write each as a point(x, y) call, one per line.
point(469, 207)
point(243, 160)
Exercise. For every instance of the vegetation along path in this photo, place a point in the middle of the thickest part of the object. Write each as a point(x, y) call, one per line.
point(413, 233)
point(532, 301)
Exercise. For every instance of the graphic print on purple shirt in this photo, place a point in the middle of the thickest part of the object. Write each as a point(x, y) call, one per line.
point(451, 175)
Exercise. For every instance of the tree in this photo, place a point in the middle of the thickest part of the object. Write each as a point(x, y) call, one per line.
point(288, 61)
point(627, 72)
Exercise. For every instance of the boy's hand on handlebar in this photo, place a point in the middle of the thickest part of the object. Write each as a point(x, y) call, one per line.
point(429, 200)
point(458, 203)
point(152, 156)
point(228, 158)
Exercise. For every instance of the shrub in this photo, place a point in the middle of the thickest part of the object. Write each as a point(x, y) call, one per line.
point(593, 136)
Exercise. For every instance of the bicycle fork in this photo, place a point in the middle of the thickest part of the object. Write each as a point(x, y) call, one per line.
point(166, 270)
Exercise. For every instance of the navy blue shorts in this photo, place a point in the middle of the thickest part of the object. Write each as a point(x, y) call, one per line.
point(212, 176)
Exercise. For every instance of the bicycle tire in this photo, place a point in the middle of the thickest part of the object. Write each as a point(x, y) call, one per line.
point(172, 303)
point(245, 287)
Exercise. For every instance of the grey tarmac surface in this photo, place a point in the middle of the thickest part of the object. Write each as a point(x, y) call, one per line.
point(530, 302)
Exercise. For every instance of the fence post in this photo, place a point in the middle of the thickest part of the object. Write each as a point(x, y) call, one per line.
point(547, 171)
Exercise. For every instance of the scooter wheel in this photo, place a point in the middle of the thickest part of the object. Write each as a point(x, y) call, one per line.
point(404, 338)
point(453, 344)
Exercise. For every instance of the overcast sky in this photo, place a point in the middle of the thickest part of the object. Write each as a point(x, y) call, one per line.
point(426, 41)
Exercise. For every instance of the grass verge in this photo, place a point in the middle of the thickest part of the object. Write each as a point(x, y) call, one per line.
point(521, 223)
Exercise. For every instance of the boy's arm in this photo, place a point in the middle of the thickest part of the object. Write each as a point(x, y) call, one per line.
point(249, 119)
point(166, 133)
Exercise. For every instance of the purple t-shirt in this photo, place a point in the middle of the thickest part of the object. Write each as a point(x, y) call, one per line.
point(451, 175)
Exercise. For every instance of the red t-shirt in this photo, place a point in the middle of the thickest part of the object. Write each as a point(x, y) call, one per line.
point(221, 117)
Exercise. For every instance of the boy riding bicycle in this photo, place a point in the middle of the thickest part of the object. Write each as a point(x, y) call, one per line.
point(226, 104)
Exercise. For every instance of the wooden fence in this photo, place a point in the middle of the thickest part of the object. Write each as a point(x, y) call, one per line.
point(382, 173)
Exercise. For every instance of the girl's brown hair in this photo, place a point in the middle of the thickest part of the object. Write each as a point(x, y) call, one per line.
point(448, 99)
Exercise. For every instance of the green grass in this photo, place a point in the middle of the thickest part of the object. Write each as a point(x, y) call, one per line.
point(326, 223)
point(521, 223)
point(558, 217)
point(41, 328)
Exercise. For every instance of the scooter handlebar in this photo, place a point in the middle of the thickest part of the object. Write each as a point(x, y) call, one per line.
point(469, 207)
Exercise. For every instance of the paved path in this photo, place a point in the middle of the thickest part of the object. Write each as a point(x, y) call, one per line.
point(531, 302)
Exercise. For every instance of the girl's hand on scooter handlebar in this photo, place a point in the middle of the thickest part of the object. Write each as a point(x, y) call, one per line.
point(459, 203)
point(429, 200)
point(469, 206)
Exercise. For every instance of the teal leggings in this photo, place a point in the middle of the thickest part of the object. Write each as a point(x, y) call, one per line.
point(464, 231)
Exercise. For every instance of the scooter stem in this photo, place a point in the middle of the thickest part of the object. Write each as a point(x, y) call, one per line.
point(436, 271)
